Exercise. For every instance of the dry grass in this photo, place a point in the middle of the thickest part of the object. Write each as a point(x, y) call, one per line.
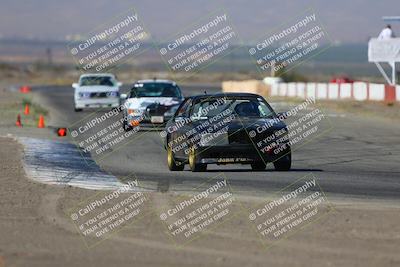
point(13, 103)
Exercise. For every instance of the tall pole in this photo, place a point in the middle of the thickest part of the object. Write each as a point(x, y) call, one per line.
point(49, 56)
point(394, 80)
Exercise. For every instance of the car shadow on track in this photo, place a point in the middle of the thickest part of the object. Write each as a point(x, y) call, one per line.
point(270, 170)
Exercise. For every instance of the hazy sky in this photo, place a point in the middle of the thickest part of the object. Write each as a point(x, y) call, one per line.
point(345, 20)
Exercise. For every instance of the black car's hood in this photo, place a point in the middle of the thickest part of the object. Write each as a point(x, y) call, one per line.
point(269, 125)
point(257, 124)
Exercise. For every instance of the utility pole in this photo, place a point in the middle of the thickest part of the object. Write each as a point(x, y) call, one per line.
point(49, 56)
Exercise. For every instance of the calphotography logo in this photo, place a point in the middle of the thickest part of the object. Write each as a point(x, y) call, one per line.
point(101, 133)
point(201, 44)
point(104, 214)
point(111, 44)
point(190, 217)
point(294, 207)
point(293, 43)
point(276, 138)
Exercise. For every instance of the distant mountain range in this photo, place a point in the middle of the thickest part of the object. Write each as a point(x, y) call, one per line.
point(346, 21)
point(349, 59)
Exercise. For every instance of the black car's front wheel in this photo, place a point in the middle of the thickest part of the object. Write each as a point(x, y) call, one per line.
point(258, 166)
point(284, 163)
point(173, 164)
point(193, 162)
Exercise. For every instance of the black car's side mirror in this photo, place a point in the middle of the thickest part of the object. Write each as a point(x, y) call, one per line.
point(282, 114)
point(179, 119)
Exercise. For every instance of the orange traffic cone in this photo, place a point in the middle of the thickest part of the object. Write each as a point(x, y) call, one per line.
point(26, 112)
point(18, 123)
point(25, 89)
point(41, 122)
point(62, 131)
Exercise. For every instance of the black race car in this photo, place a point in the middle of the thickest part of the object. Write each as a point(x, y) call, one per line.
point(226, 128)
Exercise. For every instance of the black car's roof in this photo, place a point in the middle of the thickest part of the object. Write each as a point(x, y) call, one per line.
point(225, 95)
point(155, 81)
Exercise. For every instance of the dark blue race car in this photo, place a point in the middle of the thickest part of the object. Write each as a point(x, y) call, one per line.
point(226, 128)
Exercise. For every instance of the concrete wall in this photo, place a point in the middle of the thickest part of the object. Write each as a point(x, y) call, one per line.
point(359, 91)
point(248, 86)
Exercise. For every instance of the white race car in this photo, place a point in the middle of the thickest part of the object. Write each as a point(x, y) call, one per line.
point(96, 91)
point(151, 103)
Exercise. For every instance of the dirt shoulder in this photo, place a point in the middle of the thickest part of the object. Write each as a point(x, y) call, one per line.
point(35, 231)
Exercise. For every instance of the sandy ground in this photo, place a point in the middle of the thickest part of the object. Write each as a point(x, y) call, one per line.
point(36, 232)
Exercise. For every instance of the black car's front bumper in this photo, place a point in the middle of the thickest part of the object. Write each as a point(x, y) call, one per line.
point(238, 153)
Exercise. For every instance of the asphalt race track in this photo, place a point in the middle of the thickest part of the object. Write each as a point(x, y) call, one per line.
point(358, 158)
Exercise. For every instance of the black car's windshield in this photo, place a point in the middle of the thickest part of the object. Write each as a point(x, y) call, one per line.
point(155, 90)
point(97, 80)
point(242, 107)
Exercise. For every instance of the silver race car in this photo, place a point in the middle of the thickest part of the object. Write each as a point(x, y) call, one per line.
point(151, 103)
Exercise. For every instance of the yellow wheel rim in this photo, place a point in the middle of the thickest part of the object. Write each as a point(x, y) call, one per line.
point(191, 157)
point(169, 157)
